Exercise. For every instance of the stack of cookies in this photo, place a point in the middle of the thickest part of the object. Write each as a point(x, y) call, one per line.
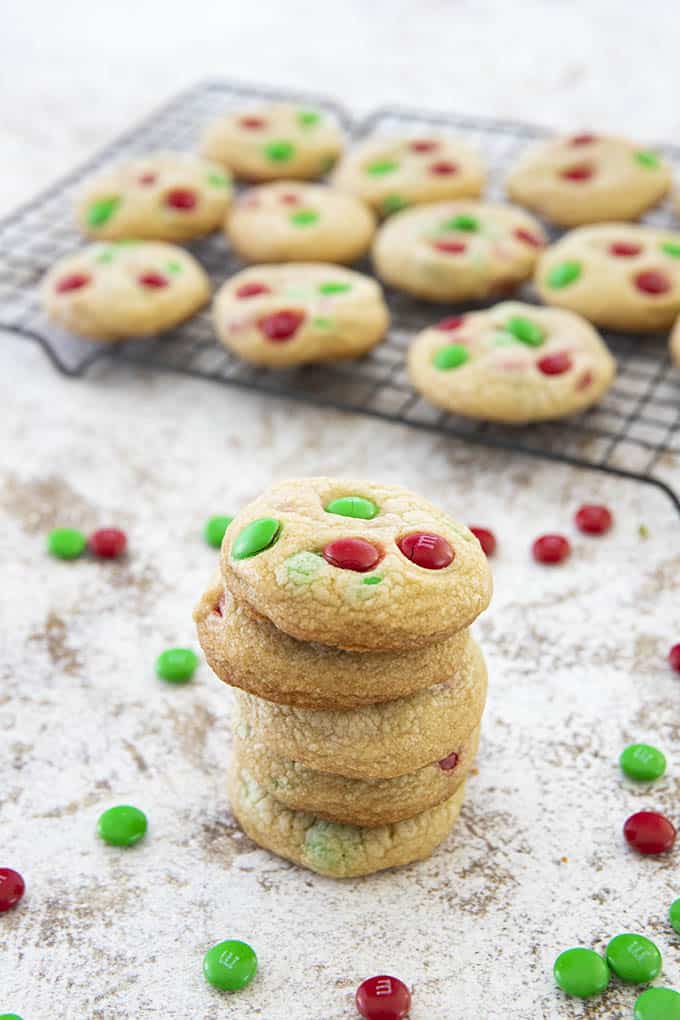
point(340, 615)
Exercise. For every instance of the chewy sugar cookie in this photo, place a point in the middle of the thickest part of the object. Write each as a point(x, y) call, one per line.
point(338, 851)
point(278, 140)
point(675, 343)
point(457, 251)
point(299, 312)
point(166, 196)
point(355, 565)
point(392, 173)
point(618, 275)
point(513, 363)
point(288, 221)
point(247, 651)
point(588, 178)
point(365, 802)
point(374, 741)
point(124, 289)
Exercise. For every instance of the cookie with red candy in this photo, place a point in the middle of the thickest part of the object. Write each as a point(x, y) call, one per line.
point(355, 565)
point(299, 312)
point(618, 275)
point(274, 141)
point(513, 363)
point(165, 196)
point(124, 290)
point(589, 178)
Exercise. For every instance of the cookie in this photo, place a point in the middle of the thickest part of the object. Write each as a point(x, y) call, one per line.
point(124, 289)
point(457, 251)
point(512, 363)
point(355, 565)
point(298, 313)
point(275, 141)
point(338, 851)
point(166, 196)
point(293, 222)
point(365, 802)
point(675, 343)
point(618, 275)
point(249, 652)
point(392, 173)
point(375, 741)
point(588, 178)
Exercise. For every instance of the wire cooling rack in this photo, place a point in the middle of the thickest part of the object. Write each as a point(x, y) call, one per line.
point(634, 431)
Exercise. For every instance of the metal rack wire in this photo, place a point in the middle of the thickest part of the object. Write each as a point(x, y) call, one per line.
point(633, 432)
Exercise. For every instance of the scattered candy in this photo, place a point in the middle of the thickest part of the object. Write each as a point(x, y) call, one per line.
point(450, 247)
point(671, 248)
point(429, 551)
point(658, 1004)
point(674, 657)
point(12, 888)
point(528, 238)
point(593, 519)
point(255, 538)
point(252, 123)
point(183, 199)
point(102, 211)
point(634, 958)
point(647, 159)
point(280, 151)
point(122, 825)
point(583, 139)
point(352, 554)
point(554, 364)
point(443, 168)
point(624, 249)
point(451, 356)
point(581, 972)
point(281, 325)
point(563, 274)
point(308, 118)
point(524, 330)
point(334, 287)
point(66, 543)
point(353, 506)
point(649, 832)
point(581, 172)
point(304, 217)
point(551, 549)
point(653, 282)
point(451, 323)
point(74, 281)
point(381, 167)
point(449, 763)
point(230, 965)
point(214, 529)
point(108, 543)
point(9, 1016)
point(383, 998)
point(152, 280)
point(177, 665)
point(423, 145)
point(486, 539)
point(470, 224)
point(642, 762)
point(674, 915)
point(247, 290)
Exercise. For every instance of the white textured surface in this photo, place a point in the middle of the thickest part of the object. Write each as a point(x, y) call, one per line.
point(576, 654)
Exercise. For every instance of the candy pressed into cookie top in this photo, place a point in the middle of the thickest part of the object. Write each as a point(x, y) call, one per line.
point(513, 362)
point(392, 173)
point(274, 141)
point(165, 196)
point(586, 178)
point(355, 565)
point(616, 274)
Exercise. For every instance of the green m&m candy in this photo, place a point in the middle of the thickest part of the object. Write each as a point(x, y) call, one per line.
point(634, 958)
point(381, 167)
point(279, 151)
point(450, 356)
point(255, 538)
point(647, 159)
point(9, 1016)
point(674, 915)
point(671, 248)
point(100, 212)
point(657, 1004)
point(308, 118)
point(352, 506)
point(218, 180)
point(214, 529)
point(581, 972)
point(470, 224)
point(122, 825)
point(177, 665)
point(333, 287)
point(563, 274)
point(524, 330)
point(304, 217)
point(66, 543)
point(230, 965)
point(642, 762)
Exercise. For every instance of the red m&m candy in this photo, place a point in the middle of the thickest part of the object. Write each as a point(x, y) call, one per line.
point(581, 172)
point(423, 145)
point(593, 519)
point(652, 282)
point(450, 323)
point(486, 539)
point(649, 832)
point(11, 888)
point(352, 554)
point(449, 763)
point(108, 543)
point(583, 139)
point(147, 178)
point(555, 364)
point(430, 551)
point(674, 657)
point(281, 326)
point(624, 249)
point(74, 281)
point(383, 998)
point(443, 168)
point(181, 198)
point(450, 247)
point(252, 123)
point(528, 238)
point(152, 280)
point(253, 289)
point(551, 549)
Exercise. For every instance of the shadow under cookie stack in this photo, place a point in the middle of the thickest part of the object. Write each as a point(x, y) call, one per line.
point(340, 615)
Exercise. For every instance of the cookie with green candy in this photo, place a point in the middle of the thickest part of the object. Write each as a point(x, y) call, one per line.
point(274, 141)
point(165, 196)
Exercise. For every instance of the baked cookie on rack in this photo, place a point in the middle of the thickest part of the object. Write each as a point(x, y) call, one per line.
point(289, 221)
point(587, 178)
point(512, 363)
point(356, 565)
point(165, 196)
point(457, 251)
point(124, 289)
point(246, 650)
point(675, 343)
point(274, 141)
point(392, 173)
point(338, 851)
point(281, 315)
point(618, 275)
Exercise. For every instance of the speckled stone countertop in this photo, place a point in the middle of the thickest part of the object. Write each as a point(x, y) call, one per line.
point(576, 654)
